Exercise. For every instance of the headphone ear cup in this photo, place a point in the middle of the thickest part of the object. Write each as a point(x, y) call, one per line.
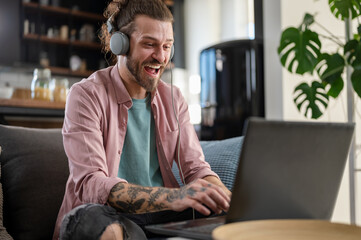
point(172, 52)
point(119, 43)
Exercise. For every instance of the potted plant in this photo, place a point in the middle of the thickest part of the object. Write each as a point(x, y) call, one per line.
point(301, 52)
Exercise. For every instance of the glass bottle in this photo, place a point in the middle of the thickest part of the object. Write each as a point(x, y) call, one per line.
point(40, 86)
point(59, 89)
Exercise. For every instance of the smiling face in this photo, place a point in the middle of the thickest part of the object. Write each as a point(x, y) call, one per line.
point(150, 49)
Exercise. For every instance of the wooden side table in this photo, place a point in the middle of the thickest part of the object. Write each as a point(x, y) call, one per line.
point(287, 230)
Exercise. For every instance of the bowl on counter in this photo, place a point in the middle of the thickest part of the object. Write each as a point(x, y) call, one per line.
point(6, 92)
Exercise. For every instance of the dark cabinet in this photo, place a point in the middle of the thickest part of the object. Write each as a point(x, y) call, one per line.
point(9, 32)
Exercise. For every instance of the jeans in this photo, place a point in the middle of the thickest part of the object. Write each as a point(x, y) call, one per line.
point(89, 221)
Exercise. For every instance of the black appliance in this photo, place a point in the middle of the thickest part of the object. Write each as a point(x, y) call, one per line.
point(232, 87)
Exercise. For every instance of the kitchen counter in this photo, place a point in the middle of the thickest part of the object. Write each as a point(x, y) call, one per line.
point(30, 107)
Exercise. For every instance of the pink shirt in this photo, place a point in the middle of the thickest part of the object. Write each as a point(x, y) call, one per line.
point(95, 124)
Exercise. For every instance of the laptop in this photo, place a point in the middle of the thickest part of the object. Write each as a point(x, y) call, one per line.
point(287, 170)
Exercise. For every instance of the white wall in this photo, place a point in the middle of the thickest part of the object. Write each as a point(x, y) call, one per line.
point(234, 20)
point(202, 23)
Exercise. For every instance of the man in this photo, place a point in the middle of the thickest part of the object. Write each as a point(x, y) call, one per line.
point(121, 132)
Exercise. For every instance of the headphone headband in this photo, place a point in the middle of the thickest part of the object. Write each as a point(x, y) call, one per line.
point(110, 26)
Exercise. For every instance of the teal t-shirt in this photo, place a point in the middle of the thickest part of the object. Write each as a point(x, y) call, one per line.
point(139, 160)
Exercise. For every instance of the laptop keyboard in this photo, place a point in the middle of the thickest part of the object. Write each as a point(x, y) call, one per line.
point(203, 229)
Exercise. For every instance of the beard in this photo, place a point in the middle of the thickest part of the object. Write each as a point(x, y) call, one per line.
point(147, 82)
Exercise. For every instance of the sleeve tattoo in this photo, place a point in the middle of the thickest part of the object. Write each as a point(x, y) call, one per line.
point(129, 198)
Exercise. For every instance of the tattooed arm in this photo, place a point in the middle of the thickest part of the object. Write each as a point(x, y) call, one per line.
point(130, 198)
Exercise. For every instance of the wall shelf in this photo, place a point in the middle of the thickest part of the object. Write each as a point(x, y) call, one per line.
point(51, 35)
point(87, 15)
point(64, 11)
point(69, 72)
point(75, 43)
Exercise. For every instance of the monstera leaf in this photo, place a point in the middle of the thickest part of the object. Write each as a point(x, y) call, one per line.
point(342, 8)
point(356, 81)
point(330, 69)
point(353, 51)
point(311, 96)
point(301, 48)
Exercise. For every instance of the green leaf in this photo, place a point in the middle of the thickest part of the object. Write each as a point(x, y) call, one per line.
point(311, 96)
point(356, 36)
point(330, 69)
point(356, 81)
point(352, 50)
point(359, 30)
point(308, 19)
point(301, 48)
point(342, 8)
point(336, 88)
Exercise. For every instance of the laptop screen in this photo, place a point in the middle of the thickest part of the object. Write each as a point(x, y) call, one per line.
point(289, 169)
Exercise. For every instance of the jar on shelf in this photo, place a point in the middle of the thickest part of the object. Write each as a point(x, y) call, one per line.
point(60, 88)
point(40, 86)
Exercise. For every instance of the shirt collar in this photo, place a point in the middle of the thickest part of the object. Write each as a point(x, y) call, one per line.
point(121, 92)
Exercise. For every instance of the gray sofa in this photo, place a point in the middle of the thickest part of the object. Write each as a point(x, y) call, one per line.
point(34, 170)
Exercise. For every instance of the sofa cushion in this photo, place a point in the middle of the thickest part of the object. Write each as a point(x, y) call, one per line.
point(34, 174)
point(4, 235)
point(222, 156)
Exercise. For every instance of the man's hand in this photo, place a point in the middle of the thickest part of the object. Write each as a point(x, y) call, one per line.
point(199, 195)
point(218, 182)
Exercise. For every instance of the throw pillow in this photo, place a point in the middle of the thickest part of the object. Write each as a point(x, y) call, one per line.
point(34, 174)
point(3, 233)
point(222, 156)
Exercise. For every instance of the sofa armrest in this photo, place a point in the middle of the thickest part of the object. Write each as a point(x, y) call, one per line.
point(34, 170)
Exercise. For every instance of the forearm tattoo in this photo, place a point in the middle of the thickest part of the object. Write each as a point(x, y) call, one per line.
point(129, 198)
point(183, 191)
